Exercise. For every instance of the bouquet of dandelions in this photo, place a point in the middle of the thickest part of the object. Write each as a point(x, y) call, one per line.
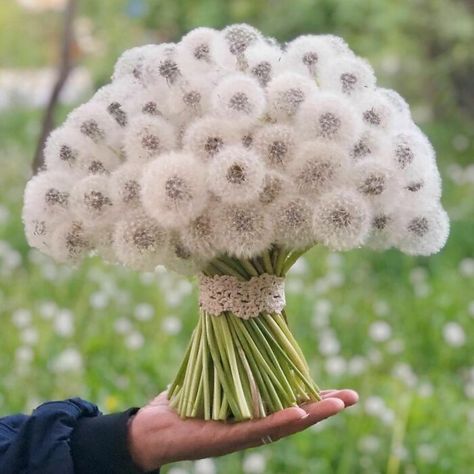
point(228, 156)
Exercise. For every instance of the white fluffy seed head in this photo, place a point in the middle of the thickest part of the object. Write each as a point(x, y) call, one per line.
point(48, 194)
point(294, 223)
point(422, 230)
point(199, 236)
point(342, 220)
point(244, 230)
point(286, 93)
point(70, 242)
point(173, 189)
point(263, 62)
point(308, 55)
point(225, 143)
point(237, 175)
point(276, 144)
point(238, 97)
point(329, 117)
point(92, 202)
point(319, 167)
point(349, 76)
point(125, 185)
point(139, 241)
point(208, 136)
point(148, 137)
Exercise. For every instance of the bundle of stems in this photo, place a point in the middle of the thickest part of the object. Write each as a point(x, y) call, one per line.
point(238, 368)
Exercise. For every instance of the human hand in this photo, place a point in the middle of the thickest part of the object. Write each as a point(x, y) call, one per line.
point(158, 436)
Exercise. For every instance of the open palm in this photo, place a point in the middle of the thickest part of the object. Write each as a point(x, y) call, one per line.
point(158, 436)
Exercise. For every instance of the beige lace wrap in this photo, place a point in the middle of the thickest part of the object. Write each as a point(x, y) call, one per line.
point(245, 299)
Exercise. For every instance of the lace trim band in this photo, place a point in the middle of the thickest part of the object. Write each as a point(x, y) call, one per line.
point(245, 299)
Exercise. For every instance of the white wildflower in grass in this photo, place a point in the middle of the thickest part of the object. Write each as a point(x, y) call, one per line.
point(173, 189)
point(254, 463)
point(329, 117)
point(70, 360)
point(276, 144)
point(228, 154)
point(148, 137)
point(349, 76)
point(139, 241)
point(318, 167)
point(237, 175)
point(171, 325)
point(238, 97)
point(91, 200)
point(342, 220)
point(454, 334)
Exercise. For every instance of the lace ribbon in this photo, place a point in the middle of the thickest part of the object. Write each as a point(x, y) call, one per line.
point(245, 299)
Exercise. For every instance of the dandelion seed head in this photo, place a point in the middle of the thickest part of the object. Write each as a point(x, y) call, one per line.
point(276, 145)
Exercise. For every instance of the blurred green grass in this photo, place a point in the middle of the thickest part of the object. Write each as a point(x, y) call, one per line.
point(116, 337)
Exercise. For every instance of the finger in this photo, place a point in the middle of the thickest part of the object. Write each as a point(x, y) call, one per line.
point(349, 397)
point(253, 431)
point(161, 399)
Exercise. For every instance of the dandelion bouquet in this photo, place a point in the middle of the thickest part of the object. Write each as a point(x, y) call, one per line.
point(227, 156)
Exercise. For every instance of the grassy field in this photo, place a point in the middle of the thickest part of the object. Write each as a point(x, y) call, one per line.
point(399, 330)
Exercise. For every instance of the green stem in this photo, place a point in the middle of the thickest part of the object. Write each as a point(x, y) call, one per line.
point(291, 260)
point(267, 262)
point(250, 269)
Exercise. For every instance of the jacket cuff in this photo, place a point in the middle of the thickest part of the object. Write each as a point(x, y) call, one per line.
point(99, 445)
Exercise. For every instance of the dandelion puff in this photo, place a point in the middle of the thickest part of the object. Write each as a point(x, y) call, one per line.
point(349, 76)
point(286, 93)
point(337, 44)
point(172, 189)
point(236, 175)
point(263, 61)
point(377, 182)
point(39, 228)
point(381, 236)
point(200, 236)
point(66, 149)
point(275, 144)
point(293, 223)
point(239, 37)
point(307, 54)
point(91, 200)
point(148, 137)
point(160, 68)
point(139, 242)
point(370, 144)
point(342, 220)
point(208, 136)
point(245, 230)
point(421, 229)
point(48, 193)
point(330, 118)
point(318, 167)
point(409, 147)
point(70, 242)
point(180, 259)
point(125, 185)
point(191, 98)
point(376, 111)
point(238, 97)
point(96, 124)
point(398, 103)
point(273, 188)
point(130, 63)
point(195, 51)
point(103, 244)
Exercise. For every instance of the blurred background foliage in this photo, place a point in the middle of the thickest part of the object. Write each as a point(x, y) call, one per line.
point(398, 329)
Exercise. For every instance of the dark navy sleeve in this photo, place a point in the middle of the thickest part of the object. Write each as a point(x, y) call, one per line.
point(66, 437)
